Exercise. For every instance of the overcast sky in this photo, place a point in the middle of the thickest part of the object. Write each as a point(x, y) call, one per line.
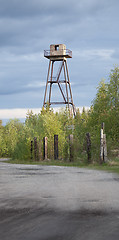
point(88, 27)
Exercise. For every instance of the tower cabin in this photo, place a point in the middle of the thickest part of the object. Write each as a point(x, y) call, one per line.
point(58, 52)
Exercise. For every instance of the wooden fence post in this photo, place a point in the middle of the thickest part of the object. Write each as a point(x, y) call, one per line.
point(45, 148)
point(103, 146)
point(40, 152)
point(71, 148)
point(35, 148)
point(31, 150)
point(55, 147)
point(88, 146)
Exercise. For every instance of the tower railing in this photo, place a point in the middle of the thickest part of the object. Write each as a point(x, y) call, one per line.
point(60, 52)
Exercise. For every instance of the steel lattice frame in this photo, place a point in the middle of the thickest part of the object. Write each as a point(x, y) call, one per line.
point(67, 94)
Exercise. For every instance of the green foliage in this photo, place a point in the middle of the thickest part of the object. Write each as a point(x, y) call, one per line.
point(52, 126)
point(113, 88)
point(15, 137)
point(105, 108)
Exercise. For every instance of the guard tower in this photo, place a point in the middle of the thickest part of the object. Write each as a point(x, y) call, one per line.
point(58, 54)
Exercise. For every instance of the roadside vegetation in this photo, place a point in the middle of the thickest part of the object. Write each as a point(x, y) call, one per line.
point(16, 137)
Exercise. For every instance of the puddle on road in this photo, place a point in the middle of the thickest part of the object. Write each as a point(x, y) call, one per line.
point(26, 174)
point(30, 169)
point(116, 179)
point(107, 179)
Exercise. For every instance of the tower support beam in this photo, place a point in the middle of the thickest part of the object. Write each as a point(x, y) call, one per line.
point(47, 84)
point(58, 53)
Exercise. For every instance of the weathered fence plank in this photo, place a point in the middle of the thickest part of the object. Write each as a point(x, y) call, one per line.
point(103, 146)
point(71, 148)
point(31, 150)
point(88, 146)
point(55, 147)
point(45, 148)
point(35, 148)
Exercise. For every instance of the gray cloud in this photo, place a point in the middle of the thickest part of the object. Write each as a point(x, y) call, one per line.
point(29, 8)
point(87, 27)
point(23, 23)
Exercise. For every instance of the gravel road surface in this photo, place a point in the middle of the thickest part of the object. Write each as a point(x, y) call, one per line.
point(58, 203)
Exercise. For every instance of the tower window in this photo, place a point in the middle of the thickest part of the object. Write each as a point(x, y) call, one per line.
point(56, 47)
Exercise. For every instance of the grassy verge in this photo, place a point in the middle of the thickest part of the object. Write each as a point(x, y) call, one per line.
point(105, 167)
point(48, 162)
point(111, 166)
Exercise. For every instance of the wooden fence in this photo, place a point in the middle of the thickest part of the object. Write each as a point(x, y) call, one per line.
point(39, 150)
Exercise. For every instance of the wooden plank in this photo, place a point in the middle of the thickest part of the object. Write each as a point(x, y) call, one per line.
point(71, 148)
point(101, 146)
point(88, 146)
point(45, 148)
point(31, 150)
point(35, 148)
point(55, 147)
point(105, 147)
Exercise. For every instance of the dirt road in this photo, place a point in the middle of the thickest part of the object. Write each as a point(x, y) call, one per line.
point(53, 203)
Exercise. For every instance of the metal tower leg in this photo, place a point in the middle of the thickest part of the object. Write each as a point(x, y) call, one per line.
point(70, 89)
point(66, 83)
point(51, 81)
point(46, 84)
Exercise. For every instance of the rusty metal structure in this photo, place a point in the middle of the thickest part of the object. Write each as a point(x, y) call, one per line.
point(58, 53)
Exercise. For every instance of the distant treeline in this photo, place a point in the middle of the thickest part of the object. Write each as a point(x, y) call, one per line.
point(16, 137)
